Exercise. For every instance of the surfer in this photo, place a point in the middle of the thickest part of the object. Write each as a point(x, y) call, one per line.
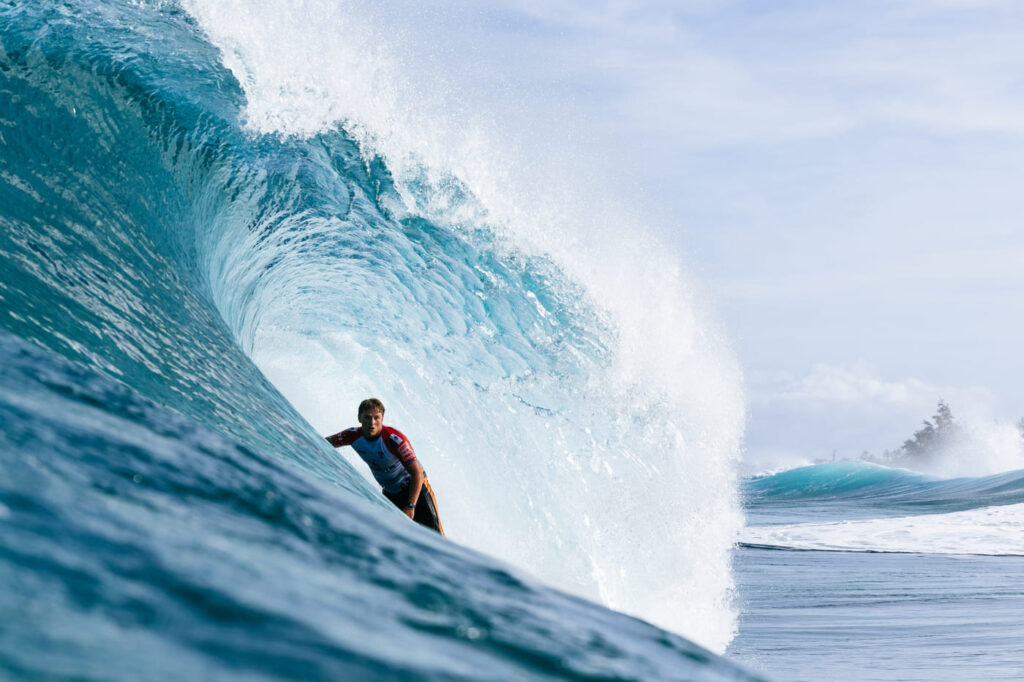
point(392, 462)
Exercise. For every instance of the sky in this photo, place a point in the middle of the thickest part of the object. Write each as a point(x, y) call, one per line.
point(842, 177)
point(839, 178)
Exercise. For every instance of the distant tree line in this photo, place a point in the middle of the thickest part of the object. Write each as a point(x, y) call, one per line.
point(935, 433)
point(940, 430)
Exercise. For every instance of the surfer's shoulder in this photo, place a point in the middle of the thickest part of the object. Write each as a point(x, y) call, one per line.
point(397, 443)
point(346, 437)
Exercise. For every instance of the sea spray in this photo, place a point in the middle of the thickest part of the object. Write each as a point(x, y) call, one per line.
point(576, 412)
point(981, 446)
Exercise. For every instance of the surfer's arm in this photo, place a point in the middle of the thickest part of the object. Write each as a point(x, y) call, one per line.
point(346, 437)
point(415, 470)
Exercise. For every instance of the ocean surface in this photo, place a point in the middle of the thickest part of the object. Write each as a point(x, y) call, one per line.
point(855, 571)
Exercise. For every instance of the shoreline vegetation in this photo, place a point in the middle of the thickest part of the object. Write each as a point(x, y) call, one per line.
point(938, 436)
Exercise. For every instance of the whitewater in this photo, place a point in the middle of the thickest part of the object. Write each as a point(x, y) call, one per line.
point(212, 248)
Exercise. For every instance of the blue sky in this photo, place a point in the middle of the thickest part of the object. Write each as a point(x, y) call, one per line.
point(842, 178)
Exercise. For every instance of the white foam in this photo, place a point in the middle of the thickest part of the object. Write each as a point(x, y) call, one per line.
point(991, 530)
point(629, 492)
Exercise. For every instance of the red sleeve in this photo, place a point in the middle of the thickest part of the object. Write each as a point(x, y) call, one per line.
point(398, 445)
point(346, 437)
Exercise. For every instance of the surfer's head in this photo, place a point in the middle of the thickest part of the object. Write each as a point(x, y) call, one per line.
point(370, 404)
point(371, 417)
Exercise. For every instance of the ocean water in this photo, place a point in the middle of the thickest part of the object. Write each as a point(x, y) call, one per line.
point(854, 571)
point(215, 240)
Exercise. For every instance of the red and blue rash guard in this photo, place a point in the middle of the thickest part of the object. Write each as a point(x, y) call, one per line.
point(386, 455)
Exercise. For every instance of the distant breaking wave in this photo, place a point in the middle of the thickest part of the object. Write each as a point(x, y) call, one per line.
point(862, 507)
point(878, 486)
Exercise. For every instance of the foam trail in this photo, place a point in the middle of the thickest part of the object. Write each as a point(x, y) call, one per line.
point(578, 414)
point(991, 530)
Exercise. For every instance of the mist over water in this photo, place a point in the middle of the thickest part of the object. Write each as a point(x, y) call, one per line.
point(577, 413)
point(982, 447)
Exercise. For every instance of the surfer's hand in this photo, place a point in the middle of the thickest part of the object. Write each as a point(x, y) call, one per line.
point(409, 512)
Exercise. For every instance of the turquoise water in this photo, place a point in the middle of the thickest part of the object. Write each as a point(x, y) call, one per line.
point(166, 513)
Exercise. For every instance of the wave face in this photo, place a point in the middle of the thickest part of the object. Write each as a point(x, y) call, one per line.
point(858, 506)
point(162, 493)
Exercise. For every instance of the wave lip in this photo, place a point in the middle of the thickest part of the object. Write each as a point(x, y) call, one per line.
point(993, 531)
point(864, 484)
point(835, 479)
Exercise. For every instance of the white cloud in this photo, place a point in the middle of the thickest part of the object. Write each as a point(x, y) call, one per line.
point(854, 384)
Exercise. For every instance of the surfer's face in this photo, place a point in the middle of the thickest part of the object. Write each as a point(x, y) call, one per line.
point(372, 422)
